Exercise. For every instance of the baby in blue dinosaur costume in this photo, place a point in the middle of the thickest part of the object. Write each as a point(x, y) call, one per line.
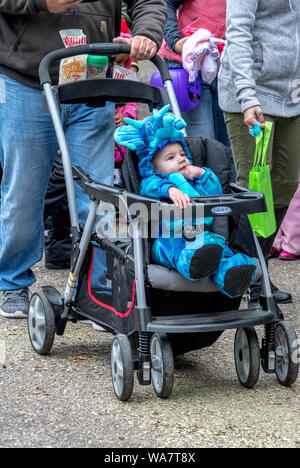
point(165, 165)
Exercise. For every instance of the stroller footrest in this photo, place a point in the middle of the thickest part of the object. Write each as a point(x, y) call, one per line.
point(209, 322)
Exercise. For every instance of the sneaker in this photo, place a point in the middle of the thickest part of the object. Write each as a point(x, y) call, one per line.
point(281, 297)
point(238, 279)
point(95, 325)
point(284, 255)
point(273, 253)
point(205, 261)
point(15, 303)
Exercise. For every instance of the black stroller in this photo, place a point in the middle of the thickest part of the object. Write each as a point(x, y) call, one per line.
point(154, 313)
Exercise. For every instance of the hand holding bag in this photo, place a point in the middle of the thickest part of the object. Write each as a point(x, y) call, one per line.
point(264, 224)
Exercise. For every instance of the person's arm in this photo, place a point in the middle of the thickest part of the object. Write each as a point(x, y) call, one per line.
point(241, 15)
point(155, 187)
point(148, 18)
point(208, 183)
point(27, 7)
point(172, 34)
point(128, 110)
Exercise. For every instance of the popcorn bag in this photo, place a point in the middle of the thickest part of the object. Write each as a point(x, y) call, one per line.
point(121, 73)
point(73, 68)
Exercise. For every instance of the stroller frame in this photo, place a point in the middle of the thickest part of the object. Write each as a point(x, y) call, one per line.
point(154, 360)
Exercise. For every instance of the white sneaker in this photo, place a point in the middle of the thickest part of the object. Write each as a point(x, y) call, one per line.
point(98, 327)
point(95, 326)
point(15, 303)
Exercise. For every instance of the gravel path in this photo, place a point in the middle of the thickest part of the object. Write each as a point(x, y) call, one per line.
point(66, 399)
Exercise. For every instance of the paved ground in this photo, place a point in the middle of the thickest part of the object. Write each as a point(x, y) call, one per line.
point(66, 399)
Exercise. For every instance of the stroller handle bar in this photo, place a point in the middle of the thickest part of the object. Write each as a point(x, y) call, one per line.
point(95, 49)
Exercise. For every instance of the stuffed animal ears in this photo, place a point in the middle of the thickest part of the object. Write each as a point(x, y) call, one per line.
point(128, 135)
point(171, 129)
point(139, 134)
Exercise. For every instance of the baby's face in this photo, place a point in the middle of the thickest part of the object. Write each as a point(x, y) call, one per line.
point(171, 158)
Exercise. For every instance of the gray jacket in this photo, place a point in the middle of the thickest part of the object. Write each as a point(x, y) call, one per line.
point(261, 61)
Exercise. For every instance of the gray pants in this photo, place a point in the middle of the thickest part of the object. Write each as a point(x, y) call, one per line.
point(283, 155)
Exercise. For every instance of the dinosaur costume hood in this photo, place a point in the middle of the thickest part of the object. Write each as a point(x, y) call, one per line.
point(150, 135)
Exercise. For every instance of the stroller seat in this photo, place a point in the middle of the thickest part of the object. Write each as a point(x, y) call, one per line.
point(205, 152)
point(161, 277)
point(170, 280)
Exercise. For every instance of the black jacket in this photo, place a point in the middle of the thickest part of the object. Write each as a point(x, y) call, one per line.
point(28, 31)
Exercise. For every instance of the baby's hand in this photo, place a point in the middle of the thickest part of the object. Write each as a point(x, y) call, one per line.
point(193, 172)
point(119, 120)
point(180, 199)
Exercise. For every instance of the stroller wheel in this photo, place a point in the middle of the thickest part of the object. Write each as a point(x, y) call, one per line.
point(122, 367)
point(286, 353)
point(41, 323)
point(162, 365)
point(247, 356)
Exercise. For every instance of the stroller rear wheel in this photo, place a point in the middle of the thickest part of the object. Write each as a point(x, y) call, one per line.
point(286, 353)
point(41, 323)
point(247, 356)
point(122, 367)
point(162, 365)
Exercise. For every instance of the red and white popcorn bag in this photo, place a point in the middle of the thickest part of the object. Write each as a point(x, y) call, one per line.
point(121, 73)
point(73, 68)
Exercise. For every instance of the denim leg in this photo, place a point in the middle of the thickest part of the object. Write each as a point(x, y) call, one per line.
point(89, 134)
point(28, 148)
point(200, 121)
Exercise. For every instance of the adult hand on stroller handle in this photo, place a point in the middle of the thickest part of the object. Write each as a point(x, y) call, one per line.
point(109, 49)
point(142, 47)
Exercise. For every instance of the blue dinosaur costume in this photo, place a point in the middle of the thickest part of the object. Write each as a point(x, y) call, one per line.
point(207, 253)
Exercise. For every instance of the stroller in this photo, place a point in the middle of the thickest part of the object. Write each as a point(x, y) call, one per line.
point(146, 308)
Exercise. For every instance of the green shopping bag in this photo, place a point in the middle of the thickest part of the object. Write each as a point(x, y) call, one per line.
point(264, 224)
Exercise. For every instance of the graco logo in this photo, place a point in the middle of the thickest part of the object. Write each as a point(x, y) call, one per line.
point(221, 210)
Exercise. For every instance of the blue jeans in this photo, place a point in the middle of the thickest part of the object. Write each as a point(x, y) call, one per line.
point(200, 120)
point(27, 150)
point(207, 119)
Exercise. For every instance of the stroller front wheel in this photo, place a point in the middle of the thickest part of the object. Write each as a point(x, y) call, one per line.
point(286, 353)
point(122, 367)
point(41, 323)
point(162, 365)
point(247, 356)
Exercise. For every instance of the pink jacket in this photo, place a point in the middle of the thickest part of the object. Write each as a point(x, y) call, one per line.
point(288, 237)
point(128, 110)
point(206, 14)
